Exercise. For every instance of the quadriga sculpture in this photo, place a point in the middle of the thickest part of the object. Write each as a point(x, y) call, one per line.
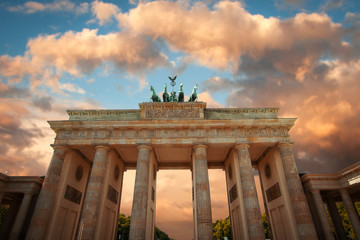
point(181, 94)
point(193, 97)
point(166, 97)
point(154, 97)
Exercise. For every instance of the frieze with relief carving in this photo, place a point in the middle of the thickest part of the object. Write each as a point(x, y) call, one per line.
point(172, 113)
point(173, 133)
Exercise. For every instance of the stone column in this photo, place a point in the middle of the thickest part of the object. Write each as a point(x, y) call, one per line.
point(350, 208)
point(336, 219)
point(251, 201)
point(202, 194)
point(2, 186)
point(90, 210)
point(140, 200)
point(44, 205)
point(300, 206)
point(20, 217)
point(10, 217)
point(322, 214)
point(1, 196)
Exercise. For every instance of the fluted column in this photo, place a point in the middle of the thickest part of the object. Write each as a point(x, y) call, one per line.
point(336, 219)
point(322, 214)
point(251, 202)
point(299, 204)
point(202, 194)
point(20, 217)
point(350, 208)
point(90, 210)
point(45, 202)
point(140, 200)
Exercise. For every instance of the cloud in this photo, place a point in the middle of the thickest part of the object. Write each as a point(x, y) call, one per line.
point(57, 6)
point(82, 8)
point(90, 81)
point(352, 17)
point(48, 57)
point(24, 132)
point(16, 138)
point(206, 97)
point(222, 36)
point(44, 103)
point(82, 52)
point(104, 11)
point(332, 4)
point(72, 88)
point(7, 91)
point(325, 102)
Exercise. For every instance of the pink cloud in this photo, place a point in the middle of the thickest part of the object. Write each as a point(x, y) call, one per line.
point(219, 37)
point(49, 56)
point(64, 5)
point(326, 104)
point(206, 97)
point(104, 11)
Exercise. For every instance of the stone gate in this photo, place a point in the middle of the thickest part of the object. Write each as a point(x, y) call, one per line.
point(81, 193)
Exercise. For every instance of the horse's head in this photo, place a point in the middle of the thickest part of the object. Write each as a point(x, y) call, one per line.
point(151, 88)
point(195, 87)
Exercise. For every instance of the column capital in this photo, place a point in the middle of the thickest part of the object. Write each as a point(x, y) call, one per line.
point(314, 190)
point(242, 145)
point(200, 145)
point(145, 146)
point(343, 190)
point(285, 144)
point(59, 147)
point(103, 147)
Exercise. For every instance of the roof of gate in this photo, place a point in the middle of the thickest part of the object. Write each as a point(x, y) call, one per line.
point(169, 111)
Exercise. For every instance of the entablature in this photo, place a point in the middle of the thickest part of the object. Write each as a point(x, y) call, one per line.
point(168, 129)
point(174, 111)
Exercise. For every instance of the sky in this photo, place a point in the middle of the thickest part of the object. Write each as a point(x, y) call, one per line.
point(302, 56)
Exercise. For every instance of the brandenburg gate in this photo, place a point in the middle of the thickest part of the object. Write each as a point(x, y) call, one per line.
point(81, 193)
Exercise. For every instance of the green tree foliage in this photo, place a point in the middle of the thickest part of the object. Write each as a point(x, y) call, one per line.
point(345, 218)
point(3, 211)
point(266, 225)
point(222, 228)
point(124, 229)
point(160, 235)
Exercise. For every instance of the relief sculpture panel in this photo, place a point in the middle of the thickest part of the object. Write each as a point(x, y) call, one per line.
point(171, 113)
